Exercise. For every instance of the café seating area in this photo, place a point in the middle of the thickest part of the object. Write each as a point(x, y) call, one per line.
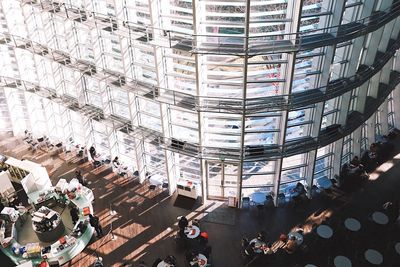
point(327, 230)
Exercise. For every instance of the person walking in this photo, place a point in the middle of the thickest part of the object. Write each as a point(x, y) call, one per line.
point(94, 222)
point(74, 212)
point(79, 176)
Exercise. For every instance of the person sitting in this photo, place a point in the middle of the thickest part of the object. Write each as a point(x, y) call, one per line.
point(259, 242)
point(392, 209)
point(355, 167)
point(156, 262)
point(92, 151)
point(291, 246)
point(268, 250)
point(121, 170)
point(299, 193)
point(94, 156)
point(116, 162)
point(170, 260)
point(249, 251)
point(28, 137)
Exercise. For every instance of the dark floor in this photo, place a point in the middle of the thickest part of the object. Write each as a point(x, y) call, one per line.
point(146, 221)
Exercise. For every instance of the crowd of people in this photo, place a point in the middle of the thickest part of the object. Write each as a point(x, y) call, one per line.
point(354, 174)
point(259, 250)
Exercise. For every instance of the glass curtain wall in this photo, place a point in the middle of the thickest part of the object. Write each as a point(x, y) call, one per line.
point(238, 96)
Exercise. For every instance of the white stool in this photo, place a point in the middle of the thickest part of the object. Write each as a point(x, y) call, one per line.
point(342, 261)
point(373, 256)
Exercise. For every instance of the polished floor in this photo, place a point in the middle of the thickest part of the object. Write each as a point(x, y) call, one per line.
point(145, 221)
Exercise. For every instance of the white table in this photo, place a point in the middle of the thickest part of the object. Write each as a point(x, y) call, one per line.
point(156, 180)
point(352, 224)
point(397, 247)
point(324, 231)
point(324, 183)
point(164, 264)
point(298, 236)
point(373, 256)
point(380, 218)
point(342, 261)
point(201, 260)
point(192, 231)
point(258, 198)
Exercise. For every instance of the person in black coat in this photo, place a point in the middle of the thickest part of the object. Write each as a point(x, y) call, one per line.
point(94, 222)
point(74, 212)
point(79, 176)
point(182, 224)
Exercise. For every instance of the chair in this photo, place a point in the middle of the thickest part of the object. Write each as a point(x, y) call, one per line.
point(281, 199)
point(269, 201)
point(152, 187)
point(245, 202)
point(156, 262)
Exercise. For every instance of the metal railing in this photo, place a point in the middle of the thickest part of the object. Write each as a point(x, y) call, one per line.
point(203, 103)
point(251, 153)
point(224, 44)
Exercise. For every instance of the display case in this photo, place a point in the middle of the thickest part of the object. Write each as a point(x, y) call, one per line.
point(8, 233)
point(187, 188)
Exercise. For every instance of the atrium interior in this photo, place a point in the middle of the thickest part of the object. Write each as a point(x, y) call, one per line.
point(230, 98)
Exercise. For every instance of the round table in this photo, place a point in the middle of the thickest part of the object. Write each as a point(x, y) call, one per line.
point(324, 231)
point(352, 224)
point(324, 183)
point(298, 236)
point(192, 231)
point(258, 197)
point(342, 261)
point(397, 247)
point(201, 260)
point(156, 180)
point(164, 264)
point(380, 218)
point(373, 256)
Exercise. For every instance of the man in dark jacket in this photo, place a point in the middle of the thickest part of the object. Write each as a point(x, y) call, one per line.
point(94, 222)
point(182, 224)
point(74, 212)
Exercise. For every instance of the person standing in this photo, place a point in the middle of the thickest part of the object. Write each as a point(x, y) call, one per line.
point(94, 222)
point(79, 176)
point(74, 212)
point(182, 224)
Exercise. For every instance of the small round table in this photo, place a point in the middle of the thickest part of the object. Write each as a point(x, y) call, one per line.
point(192, 231)
point(298, 236)
point(342, 261)
point(397, 247)
point(380, 218)
point(258, 198)
point(201, 260)
point(164, 264)
point(324, 183)
point(324, 231)
point(352, 224)
point(373, 256)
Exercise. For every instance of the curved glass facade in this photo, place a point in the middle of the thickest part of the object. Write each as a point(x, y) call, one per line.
point(237, 96)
